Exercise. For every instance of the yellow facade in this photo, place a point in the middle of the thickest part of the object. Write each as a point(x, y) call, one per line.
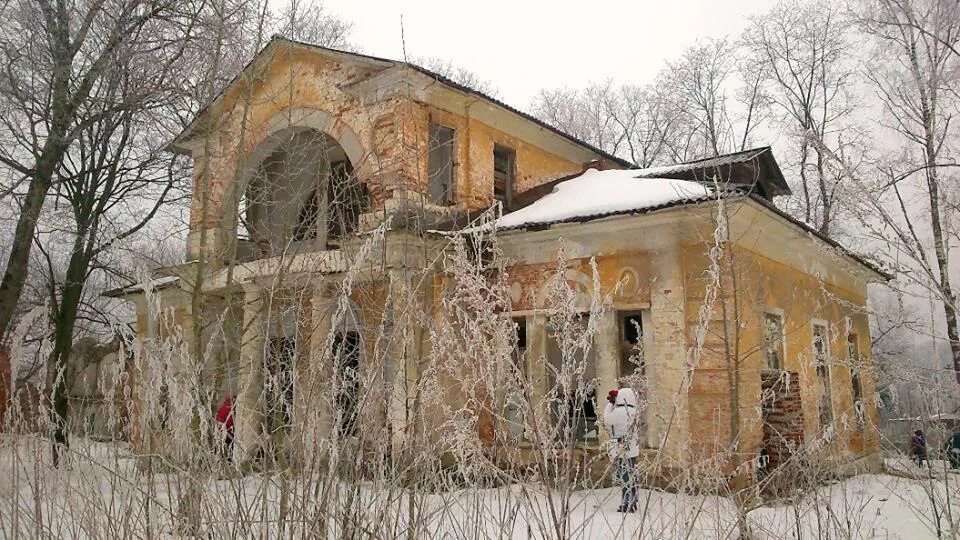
point(378, 112)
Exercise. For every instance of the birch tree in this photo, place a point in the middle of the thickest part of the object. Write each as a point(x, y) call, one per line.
point(916, 79)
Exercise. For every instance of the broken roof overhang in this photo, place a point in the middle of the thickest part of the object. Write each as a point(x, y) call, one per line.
point(756, 166)
point(178, 145)
point(154, 284)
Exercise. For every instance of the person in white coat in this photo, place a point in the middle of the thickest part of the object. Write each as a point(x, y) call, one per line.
point(620, 417)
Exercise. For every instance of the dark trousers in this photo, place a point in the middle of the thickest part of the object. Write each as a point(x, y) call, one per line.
point(627, 478)
point(227, 446)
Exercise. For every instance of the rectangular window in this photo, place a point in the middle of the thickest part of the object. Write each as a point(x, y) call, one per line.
point(633, 369)
point(572, 372)
point(278, 388)
point(520, 345)
point(773, 340)
point(514, 403)
point(504, 166)
point(440, 164)
point(346, 351)
point(631, 343)
point(853, 356)
point(821, 362)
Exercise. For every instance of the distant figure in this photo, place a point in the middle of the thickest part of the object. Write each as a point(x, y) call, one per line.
point(953, 450)
point(918, 447)
point(763, 462)
point(225, 425)
point(620, 417)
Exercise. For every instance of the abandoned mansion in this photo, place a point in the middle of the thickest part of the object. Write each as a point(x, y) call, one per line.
point(360, 226)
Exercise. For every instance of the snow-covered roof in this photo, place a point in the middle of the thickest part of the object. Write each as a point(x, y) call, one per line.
point(596, 193)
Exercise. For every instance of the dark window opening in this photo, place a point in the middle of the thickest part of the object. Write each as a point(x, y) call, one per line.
point(504, 169)
point(440, 164)
point(278, 388)
point(346, 349)
point(821, 363)
point(520, 345)
point(575, 399)
point(347, 198)
point(856, 387)
point(631, 343)
point(514, 402)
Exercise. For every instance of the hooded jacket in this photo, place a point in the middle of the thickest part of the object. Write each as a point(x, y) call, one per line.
point(225, 416)
point(620, 418)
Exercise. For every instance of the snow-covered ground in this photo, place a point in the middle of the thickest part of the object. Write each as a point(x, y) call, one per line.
point(100, 495)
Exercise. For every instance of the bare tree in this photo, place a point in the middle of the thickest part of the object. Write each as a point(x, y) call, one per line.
point(113, 182)
point(803, 48)
point(685, 113)
point(56, 57)
point(457, 73)
point(915, 77)
point(698, 83)
point(309, 21)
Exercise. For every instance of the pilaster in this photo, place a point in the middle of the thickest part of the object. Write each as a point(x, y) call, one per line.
point(667, 369)
point(248, 409)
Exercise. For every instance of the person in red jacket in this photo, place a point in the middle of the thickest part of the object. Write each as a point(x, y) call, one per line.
point(225, 424)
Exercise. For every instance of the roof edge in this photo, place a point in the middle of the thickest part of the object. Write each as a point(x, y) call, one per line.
point(177, 146)
point(768, 205)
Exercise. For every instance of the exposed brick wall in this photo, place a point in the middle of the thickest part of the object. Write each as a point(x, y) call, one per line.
point(782, 415)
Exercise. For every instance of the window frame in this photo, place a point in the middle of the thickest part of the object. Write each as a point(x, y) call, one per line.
point(622, 314)
point(589, 376)
point(511, 175)
point(434, 144)
point(514, 422)
point(781, 339)
point(825, 413)
point(856, 383)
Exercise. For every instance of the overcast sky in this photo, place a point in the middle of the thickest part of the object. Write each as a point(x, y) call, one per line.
point(522, 46)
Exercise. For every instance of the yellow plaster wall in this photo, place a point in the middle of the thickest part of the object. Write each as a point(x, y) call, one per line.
point(293, 78)
point(764, 284)
point(474, 157)
point(393, 131)
point(761, 284)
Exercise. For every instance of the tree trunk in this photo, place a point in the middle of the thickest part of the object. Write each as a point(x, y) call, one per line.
point(825, 202)
point(15, 274)
point(64, 322)
point(943, 260)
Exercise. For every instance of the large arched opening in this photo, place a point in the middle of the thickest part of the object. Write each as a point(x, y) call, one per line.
point(303, 196)
point(300, 191)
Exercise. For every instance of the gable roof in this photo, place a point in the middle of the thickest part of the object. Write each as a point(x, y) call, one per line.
point(384, 63)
